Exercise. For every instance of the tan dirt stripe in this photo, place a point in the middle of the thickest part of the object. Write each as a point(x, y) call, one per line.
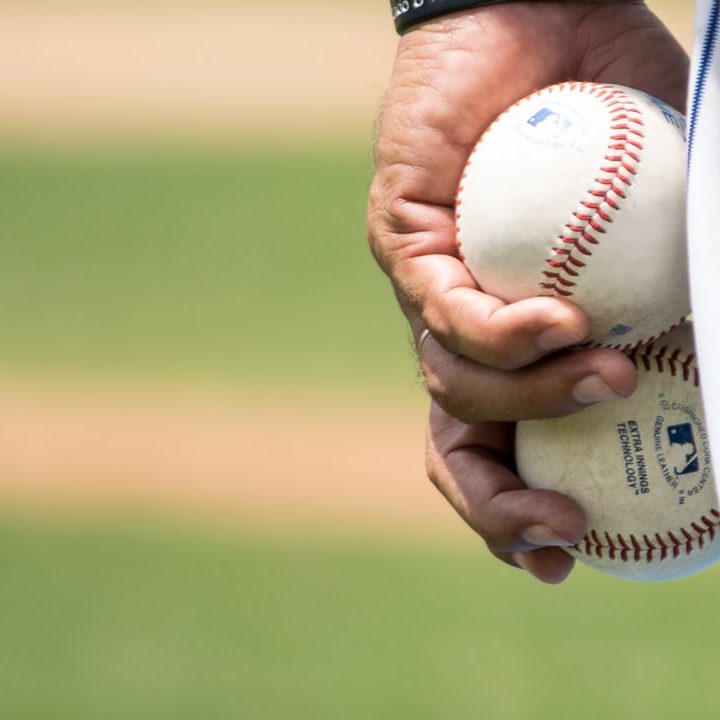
point(253, 458)
point(193, 67)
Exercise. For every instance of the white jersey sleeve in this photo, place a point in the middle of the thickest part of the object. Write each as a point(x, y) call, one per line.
point(704, 206)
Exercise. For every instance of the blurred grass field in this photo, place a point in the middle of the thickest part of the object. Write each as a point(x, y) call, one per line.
point(248, 268)
point(131, 622)
point(178, 269)
point(245, 266)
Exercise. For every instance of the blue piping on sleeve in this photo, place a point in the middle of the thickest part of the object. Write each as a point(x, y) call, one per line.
point(707, 53)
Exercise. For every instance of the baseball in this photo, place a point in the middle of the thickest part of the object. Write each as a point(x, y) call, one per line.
point(640, 468)
point(578, 191)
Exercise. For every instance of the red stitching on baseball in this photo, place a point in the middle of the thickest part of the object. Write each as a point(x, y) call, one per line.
point(648, 356)
point(458, 204)
point(644, 549)
point(563, 281)
point(567, 270)
point(581, 248)
point(629, 168)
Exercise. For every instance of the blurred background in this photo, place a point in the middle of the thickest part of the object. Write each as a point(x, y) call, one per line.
point(211, 427)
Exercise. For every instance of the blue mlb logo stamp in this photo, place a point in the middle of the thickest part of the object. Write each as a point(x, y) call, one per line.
point(553, 124)
point(681, 436)
point(550, 121)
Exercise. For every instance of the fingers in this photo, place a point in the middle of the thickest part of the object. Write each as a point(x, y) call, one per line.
point(481, 327)
point(471, 466)
point(555, 386)
point(438, 292)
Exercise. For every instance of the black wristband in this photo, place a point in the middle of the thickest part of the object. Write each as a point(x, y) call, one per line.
point(407, 13)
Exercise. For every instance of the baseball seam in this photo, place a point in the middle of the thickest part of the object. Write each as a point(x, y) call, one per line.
point(671, 544)
point(666, 358)
point(631, 548)
point(604, 199)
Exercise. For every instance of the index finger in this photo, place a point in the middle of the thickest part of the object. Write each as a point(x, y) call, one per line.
point(438, 292)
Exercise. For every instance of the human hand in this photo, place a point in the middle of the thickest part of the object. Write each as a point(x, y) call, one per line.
point(487, 361)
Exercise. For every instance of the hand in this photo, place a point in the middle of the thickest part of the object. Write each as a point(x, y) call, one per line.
point(488, 361)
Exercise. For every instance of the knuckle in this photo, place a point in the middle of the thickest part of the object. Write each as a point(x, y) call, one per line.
point(391, 222)
point(439, 385)
point(488, 344)
point(505, 350)
point(388, 198)
point(375, 224)
point(432, 467)
point(436, 319)
point(447, 387)
point(464, 389)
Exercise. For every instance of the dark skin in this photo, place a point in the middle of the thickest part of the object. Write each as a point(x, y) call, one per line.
point(489, 364)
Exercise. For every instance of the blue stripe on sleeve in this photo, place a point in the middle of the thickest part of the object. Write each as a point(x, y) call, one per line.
point(707, 54)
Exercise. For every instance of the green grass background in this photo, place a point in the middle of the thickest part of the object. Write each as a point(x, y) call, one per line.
point(122, 622)
point(243, 266)
point(255, 271)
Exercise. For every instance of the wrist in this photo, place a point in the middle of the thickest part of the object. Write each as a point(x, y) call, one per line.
point(409, 13)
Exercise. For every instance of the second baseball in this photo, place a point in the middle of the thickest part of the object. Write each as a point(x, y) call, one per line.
point(640, 468)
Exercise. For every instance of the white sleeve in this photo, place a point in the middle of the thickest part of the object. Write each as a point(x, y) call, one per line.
point(704, 206)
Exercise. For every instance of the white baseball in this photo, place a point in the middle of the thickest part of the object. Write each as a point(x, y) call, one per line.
point(578, 191)
point(640, 468)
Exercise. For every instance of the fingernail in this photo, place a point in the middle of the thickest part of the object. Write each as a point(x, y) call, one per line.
point(593, 389)
point(556, 337)
point(543, 536)
point(519, 560)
